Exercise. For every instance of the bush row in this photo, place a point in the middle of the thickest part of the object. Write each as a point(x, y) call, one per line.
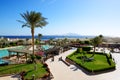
point(83, 49)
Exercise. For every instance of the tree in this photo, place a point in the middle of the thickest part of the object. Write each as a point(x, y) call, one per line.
point(39, 37)
point(51, 41)
point(100, 38)
point(87, 42)
point(96, 41)
point(65, 40)
point(33, 20)
point(20, 42)
point(4, 43)
point(77, 40)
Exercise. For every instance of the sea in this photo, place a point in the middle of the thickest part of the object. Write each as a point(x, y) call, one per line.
point(46, 37)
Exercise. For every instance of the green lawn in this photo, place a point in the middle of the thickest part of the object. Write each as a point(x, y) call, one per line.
point(99, 62)
point(29, 68)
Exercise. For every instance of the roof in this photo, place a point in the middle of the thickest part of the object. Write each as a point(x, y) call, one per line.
point(20, 51)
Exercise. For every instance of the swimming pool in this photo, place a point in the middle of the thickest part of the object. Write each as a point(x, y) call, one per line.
point(5, 52)
point(46, 47)
point(3, 62)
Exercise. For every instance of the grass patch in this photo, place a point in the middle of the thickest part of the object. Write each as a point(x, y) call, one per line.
point(99, 62)
point(28, 68)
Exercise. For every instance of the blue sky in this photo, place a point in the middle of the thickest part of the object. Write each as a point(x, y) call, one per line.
point(84, 17)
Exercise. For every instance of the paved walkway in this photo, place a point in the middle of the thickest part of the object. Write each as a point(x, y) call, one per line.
point(13, 77)
point(61, 71)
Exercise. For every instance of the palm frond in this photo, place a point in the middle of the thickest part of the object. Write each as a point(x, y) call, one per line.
point(26, 25)
point(21, 21)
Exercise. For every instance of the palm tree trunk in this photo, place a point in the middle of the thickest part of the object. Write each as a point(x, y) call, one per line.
point(93, 52)
point(39, 40)
point(32, 31)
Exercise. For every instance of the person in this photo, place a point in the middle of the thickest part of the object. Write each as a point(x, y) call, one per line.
point(60, 58)
point(110, 55)
point(52, 58)
point(22, 75)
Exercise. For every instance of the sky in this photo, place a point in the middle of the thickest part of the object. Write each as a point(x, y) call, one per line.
point(83, 17)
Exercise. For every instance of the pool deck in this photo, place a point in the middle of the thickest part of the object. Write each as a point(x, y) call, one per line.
point(12, 77)
point(9, 47)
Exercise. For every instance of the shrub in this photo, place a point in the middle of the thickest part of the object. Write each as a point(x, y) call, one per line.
point(87, 42)
point(110, 56)
point(78, 50)
point(108, 59)
point(45, 65)
point(86, 48)
point(38, 57)
point(29, 61)
point(32, 57)
point(13, 43)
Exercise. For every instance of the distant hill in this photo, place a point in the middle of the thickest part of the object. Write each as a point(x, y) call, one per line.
point(71, 34)
point(112, 39)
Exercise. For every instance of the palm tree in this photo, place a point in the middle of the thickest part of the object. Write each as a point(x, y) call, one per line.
point(39, 37)
point(51, 41)
point(96, 41)
point(33, 20)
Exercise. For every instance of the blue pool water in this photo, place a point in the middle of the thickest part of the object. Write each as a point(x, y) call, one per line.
point(3, 61)
point(5, 52)
point(46, 47)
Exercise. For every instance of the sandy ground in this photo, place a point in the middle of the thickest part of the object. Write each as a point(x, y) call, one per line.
point(61, 71)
